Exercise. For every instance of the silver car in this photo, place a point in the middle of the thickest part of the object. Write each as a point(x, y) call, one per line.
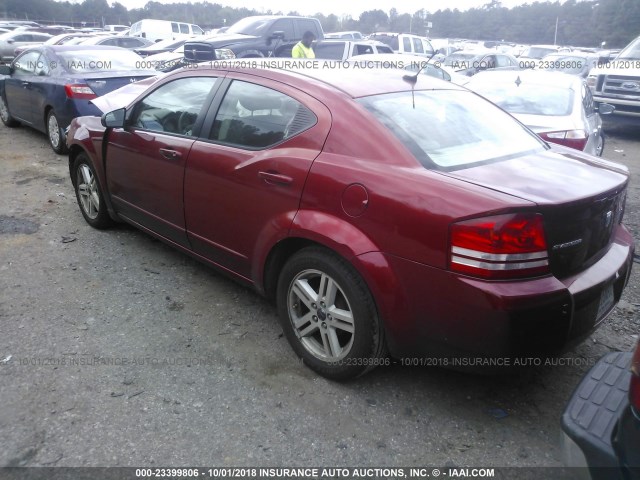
point(557, 106)
point(12, 40)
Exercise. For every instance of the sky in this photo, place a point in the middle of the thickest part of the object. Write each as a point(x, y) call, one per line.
point(342, 7)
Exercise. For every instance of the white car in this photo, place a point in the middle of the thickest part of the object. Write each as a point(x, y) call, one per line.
point(411, 63)
point(557, 106)
point(11, 40)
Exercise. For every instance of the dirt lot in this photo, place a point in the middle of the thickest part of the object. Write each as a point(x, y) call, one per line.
point(117, 351)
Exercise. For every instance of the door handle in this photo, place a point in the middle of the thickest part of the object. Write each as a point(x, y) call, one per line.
point(170, 154)
point(26, 84)
point(275, 178)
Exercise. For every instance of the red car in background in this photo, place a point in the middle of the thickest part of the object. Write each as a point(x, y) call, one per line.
point(382, 216)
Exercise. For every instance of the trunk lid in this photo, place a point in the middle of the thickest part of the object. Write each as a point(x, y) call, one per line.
point(105, 82)
point(581, 198)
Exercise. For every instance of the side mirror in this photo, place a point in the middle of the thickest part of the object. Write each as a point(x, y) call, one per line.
point(279, 35)
point(5, 70)
point(605, 109)
point(114, 119)
point(10, 41)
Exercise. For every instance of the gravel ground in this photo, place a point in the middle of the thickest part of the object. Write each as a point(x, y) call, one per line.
point(124, 352)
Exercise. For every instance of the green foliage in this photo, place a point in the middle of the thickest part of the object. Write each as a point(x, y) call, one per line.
point(579, 22)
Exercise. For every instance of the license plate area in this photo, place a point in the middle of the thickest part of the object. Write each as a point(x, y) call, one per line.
point(606, 302)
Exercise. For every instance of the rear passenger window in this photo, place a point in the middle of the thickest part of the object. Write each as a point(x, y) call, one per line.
point(184, 28)
point(417, 45)
point(255, 117)
point(406, 44)
point(175, 28)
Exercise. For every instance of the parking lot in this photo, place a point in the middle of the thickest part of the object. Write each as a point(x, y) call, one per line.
point(116, 350)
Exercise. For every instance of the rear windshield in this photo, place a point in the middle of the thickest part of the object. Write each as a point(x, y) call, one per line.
point(391, 40)
point(538, 52)
point(448, 129)
point(529, 99)
point(120, 59)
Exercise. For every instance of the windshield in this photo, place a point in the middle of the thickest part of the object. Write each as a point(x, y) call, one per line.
point(631, 51)
point(566, 63)
point(448, 129)
point(528, 99)
point(169, 44)
point(250, 26)
point(538, 52)
point(103, 60)
point(458, 60)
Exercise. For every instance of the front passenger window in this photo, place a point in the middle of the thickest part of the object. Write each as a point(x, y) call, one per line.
point(174, 107)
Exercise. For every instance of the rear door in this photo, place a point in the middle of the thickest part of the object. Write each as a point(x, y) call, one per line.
point(245, 176)
point(145, 161)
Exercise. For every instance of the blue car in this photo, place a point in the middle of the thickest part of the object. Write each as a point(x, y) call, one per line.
point(47, 86)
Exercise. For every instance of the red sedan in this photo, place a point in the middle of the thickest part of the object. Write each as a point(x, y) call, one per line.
point(398, 215)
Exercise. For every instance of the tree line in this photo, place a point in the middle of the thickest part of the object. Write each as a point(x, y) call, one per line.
point(573, 22)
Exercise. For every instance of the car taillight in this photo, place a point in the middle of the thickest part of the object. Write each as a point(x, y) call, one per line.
point(80, 91)
point(569, 138)
point(500, 246)
point(634, 387)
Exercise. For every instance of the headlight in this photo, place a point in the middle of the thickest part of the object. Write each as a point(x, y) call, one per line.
point(592, 81)
point(224, 54)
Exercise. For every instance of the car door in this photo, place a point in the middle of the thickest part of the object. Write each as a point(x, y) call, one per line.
point(244, 180)
point(19, 86)
point(44, 90)
point(145, 161)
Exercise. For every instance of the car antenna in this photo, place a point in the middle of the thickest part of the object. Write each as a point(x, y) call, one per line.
point(413, 79)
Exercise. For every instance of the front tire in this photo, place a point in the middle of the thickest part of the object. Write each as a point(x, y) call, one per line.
point(5, 116)
point(55, 134)
point(88, 193)
point(328, 315)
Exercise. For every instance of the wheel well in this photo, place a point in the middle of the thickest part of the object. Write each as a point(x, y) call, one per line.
point(74, 151)
point(47, 109)
point(276, 260)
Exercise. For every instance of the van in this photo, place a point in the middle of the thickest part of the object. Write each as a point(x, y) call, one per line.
point(156, 30)
point(405, 43)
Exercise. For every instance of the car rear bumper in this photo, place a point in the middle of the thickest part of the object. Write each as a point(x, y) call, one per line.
point(591, 418)
point(434, 313)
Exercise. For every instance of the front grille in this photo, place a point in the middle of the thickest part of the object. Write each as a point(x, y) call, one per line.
point(578, 235)
point(199, 52)
point(622, 86)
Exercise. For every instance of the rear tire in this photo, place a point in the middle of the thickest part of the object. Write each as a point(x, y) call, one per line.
point(328, 315)
point(5, 116)
point(88, 193)
point(55, 133)
point(600, 145)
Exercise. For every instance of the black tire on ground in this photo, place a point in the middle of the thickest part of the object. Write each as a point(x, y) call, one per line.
point(5, 116)
point(600, 146)
point(55, 134)
point(328, 315)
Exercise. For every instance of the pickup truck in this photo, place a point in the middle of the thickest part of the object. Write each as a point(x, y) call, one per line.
point(254, 37)
point(617, 82)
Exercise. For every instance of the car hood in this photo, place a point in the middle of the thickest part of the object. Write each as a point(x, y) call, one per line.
point(557, 175)
point(123, 96)
point(225, 39)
